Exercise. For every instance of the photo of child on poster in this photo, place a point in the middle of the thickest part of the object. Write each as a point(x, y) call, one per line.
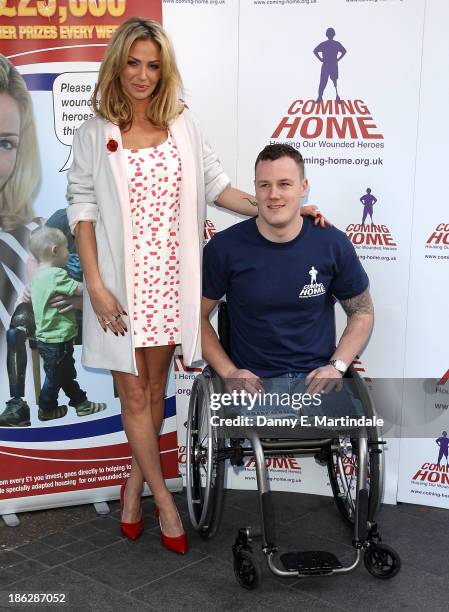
point(56, 327)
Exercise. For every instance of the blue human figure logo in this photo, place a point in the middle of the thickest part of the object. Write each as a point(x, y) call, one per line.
point(329, 52)
point(443, 443)
point(368, 200)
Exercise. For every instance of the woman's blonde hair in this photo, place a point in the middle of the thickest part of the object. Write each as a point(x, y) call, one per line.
point(17, 193)
point(113, 104)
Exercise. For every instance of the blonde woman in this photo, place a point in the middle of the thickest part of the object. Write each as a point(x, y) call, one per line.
point(19, 155)
point(19, 178)
point(142, 174)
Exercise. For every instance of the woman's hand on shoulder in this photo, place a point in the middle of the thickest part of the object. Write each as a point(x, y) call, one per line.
point(312, 211)
point(108, 309)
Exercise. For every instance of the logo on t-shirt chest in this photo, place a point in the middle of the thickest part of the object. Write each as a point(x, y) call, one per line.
point(314, 288)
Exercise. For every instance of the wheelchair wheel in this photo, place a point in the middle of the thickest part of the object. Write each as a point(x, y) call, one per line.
point(204, 473)
point(382, 561)
point(342, 462)
point(247, 569)
point(342, 466)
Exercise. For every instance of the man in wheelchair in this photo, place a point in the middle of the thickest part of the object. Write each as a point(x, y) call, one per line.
point(281, 274)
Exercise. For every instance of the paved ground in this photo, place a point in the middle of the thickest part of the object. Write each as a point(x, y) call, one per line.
point(72, 550)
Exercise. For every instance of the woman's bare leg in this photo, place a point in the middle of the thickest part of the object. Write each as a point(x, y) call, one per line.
point(167, 509)
point(138, 395)
point(134, 485)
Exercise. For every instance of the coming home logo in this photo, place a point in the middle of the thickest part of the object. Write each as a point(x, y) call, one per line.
point(331, 119)
point(436, 472)
point(360, 369)
point(368, 234)
point(281, 462)
point(313, 289)
point(209, 231)
point(442, 393)
point(438, 240)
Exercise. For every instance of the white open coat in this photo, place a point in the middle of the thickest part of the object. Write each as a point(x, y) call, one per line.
point(98, 192)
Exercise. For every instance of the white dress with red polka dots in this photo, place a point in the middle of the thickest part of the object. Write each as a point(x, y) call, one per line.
point(154, 179)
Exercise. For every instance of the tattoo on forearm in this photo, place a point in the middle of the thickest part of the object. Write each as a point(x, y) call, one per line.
point(252, 202)
point(359, 304)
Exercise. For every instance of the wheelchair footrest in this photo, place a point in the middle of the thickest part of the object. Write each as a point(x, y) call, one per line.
point(310, 562)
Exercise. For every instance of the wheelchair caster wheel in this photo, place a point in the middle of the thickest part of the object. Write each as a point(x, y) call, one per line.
point(247, 570)
point(382, 561)
point(205, 533)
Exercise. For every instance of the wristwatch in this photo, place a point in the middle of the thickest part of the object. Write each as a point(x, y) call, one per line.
point(339, 365)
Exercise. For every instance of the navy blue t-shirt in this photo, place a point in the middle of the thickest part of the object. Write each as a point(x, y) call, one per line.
point(280, 295)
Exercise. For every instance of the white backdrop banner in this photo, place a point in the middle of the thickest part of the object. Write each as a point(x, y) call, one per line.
point(423, 468)
point(308, 74)
point(325, 92)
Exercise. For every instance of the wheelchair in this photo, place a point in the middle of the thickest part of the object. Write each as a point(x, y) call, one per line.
point(357, 492)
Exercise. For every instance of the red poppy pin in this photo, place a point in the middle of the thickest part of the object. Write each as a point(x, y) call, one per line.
point(112, 145)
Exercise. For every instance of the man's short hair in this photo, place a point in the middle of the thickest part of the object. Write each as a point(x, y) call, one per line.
point(276, 151)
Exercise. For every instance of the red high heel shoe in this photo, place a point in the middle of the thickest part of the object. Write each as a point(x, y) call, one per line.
point(130, 530)
point(178, 544)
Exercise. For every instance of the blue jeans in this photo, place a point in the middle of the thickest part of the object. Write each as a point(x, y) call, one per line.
point(285, 395)
point(60, 373)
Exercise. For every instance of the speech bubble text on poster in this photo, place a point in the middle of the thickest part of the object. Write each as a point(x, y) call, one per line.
point(72, 93)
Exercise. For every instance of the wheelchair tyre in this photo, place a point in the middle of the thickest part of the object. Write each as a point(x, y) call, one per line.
point(343, 479)
point(382, 561)
point(204, 473)
point(247, 569)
